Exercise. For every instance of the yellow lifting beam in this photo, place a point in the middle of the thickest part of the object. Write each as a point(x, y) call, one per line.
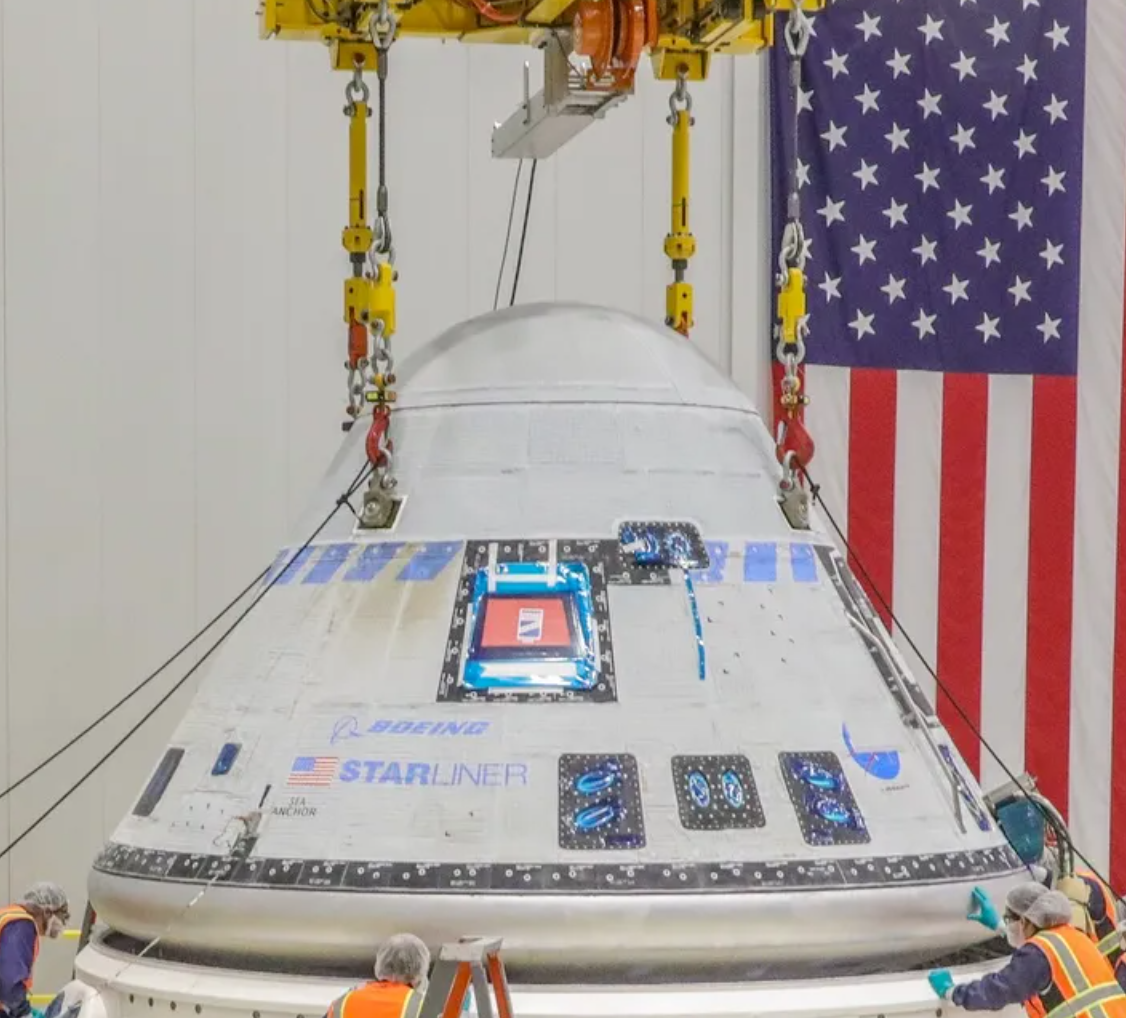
point(680, 245)
point(791, 305)
point(358, 235)
point(366, 299)
point(369, 297)
point(689, 31)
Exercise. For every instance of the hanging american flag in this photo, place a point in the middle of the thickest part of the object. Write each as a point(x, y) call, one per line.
point(963, 183)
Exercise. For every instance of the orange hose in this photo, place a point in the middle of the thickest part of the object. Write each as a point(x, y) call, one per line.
point(487, 10)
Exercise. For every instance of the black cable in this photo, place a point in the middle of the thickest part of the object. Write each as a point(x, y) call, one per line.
point(135, 690)
point(508, 232)
point(342, 500)
point(815, 490)
point(524, 232)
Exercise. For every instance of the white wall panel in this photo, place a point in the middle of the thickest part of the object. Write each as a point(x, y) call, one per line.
point(242, 358)
point(57, 362)
point(147, 361)
point(495, 85)
point(751, 265)
point(428, 130)
point(6, 754)
point(174, 191)
point(604, 164)
point(315, 211)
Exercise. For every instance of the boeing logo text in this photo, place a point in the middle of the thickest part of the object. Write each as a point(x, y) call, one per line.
point(348, 727)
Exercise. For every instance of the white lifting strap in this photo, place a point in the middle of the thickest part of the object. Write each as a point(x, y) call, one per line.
point(1077, 891)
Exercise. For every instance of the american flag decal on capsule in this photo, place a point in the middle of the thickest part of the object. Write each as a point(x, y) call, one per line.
point(313, 771)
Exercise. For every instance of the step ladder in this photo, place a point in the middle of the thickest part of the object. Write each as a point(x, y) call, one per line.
point(473, 960)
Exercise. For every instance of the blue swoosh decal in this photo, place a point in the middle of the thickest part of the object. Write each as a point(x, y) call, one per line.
point(882, 764)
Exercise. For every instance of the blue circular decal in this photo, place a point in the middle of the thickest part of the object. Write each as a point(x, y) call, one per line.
point(699, 789)
point(733, 790)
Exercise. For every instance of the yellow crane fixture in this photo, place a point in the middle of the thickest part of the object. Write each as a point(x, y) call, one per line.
point(591, 50)
point(676, 32)
point(680, 245)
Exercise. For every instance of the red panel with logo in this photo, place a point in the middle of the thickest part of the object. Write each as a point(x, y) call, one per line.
point(516, 622)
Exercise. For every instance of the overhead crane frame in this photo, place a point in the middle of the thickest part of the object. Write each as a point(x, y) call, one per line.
point(610, 37)
point(677, 32)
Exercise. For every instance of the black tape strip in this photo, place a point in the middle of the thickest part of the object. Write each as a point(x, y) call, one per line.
point(559, 878)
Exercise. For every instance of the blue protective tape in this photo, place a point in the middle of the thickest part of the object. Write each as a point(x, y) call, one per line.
point(803, 564)
point(733, 790)
point(964, 789)
point(578, 670)
point(1023, 824)
point(328, 565)
point(372, 561)
point(429, 561)
point(289, 573)
point(882, 763)
point(760, 563)
point(717, 563)
point(701, 661)
point(699, 789)
point(594, 818)
point(600, 779)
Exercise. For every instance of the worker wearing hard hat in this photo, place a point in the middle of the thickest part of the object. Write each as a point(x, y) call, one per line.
point(43, 911)
point(1053, 965)
point(401, 965)
point(1100, 908)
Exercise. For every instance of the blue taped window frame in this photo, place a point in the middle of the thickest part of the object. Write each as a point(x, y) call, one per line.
point(158, 783)
point(574, 669)
point(822, 796)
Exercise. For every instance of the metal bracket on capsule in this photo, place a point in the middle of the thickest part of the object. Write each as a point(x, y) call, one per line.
point(793, 499)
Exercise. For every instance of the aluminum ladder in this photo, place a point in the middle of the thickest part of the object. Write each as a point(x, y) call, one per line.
point(473, 960)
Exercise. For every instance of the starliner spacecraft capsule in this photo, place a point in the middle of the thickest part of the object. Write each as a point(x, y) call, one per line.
point(589, 691)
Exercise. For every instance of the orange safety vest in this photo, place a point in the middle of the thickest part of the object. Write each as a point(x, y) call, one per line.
point(16, 913)
point(1106, 937)
point(387, 1000)
point(1082, 983)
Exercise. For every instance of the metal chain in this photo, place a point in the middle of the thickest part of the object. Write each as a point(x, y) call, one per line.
point(355, 388)
point(355, 91)
point(790, 350)
point(384, 362)
point(384, 25)
point(794, 247)
point(379, 371)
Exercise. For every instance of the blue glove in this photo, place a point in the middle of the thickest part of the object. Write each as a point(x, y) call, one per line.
point(942, 982)
point(36, 1013)
point(982, 910)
